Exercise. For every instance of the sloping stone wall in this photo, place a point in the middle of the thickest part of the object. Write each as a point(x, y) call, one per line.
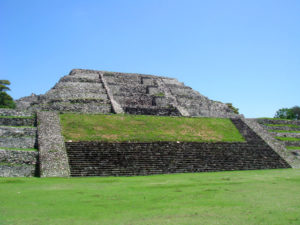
point(52, 153)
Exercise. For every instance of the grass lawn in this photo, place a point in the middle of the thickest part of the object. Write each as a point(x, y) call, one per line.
point(239, 197)
point(124, 128)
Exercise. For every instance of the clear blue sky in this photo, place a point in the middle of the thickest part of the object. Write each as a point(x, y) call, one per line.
point(242, 51)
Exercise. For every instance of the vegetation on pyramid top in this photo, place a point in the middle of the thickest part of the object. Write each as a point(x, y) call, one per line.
point(141, 128)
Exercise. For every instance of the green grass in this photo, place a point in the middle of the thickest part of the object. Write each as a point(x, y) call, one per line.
point(293, 147)
point(240, 197)
point(18, 149)
point(288, 139)
point(285, 131)
point(128, 128)
point(282, 125)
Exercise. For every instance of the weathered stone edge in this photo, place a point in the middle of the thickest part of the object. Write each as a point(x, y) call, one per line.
point(115, 105)
point(52, 152)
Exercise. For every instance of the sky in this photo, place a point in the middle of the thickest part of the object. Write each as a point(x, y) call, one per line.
point(246, 52)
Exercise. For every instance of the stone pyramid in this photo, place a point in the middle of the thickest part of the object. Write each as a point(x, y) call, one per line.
point(92, 91)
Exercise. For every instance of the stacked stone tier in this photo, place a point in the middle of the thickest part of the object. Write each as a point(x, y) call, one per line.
point(140, 95)
point(127, 159)
point(289, 129)
point(18, 139)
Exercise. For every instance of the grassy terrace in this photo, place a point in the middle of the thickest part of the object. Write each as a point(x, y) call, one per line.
point(284, 131)
point(240, 197)
point(268, 118)
point(288, 139)
point(293, 147)
point(128, 128)
point(282, 125)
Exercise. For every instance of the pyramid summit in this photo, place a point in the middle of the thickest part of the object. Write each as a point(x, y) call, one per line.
point(94, 91)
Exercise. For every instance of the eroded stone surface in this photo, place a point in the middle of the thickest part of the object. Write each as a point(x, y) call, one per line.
point(91, 91)
point(52, 153)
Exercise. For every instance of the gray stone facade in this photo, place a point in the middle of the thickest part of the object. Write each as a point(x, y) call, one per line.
point(18, 163)
point(91, 91)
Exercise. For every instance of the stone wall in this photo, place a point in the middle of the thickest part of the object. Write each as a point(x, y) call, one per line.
point(77, 92)
point(52, 152)
point(18, 163)
point(116, 159)
point(92, 91)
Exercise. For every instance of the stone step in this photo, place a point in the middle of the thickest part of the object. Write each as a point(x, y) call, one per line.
point(13, 112)
point(17, 170)
point(158, 111)
point(89, 78)
point(17, 131)
point(19, 157)
point(69, 96)
point(17, 121)
point(77, 107)
point(276, 121)
point(123, 79)
point(292, 143)
point(287, 128)
point(134, 100)
point(292, 135)
point(18, 142)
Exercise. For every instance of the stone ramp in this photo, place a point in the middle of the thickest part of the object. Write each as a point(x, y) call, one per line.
point(18, 143)
point(128, 159)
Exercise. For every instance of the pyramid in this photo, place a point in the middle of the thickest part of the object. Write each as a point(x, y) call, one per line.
point(102, 92)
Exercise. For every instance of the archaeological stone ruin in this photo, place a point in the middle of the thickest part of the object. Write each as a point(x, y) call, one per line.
point(35, 127)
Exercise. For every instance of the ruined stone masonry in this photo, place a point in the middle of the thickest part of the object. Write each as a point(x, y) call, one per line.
point(91, 91)
point(31, 143)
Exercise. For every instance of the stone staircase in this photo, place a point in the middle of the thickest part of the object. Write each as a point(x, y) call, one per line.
point(128, 159)
point(285, 131)
point(138, 94)
point(18, 143)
